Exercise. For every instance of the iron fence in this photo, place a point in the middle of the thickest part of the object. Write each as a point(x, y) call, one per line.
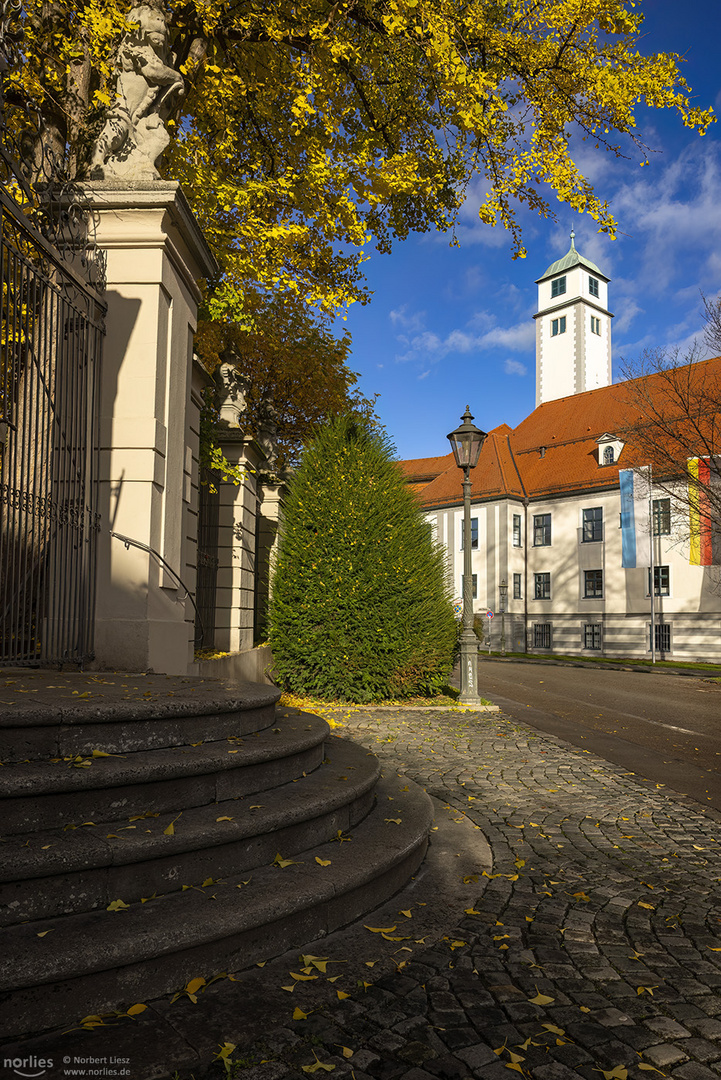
point(50, 347)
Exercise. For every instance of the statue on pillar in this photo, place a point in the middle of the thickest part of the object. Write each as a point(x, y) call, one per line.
point(147, 88)
point(232, 403)
point(268, 430)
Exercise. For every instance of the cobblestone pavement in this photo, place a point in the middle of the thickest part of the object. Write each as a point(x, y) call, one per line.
point(594, 946)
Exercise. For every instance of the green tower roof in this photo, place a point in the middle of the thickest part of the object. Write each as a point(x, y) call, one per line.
point(571, 259)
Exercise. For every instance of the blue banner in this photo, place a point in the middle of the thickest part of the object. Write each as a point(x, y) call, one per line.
point(628, 521)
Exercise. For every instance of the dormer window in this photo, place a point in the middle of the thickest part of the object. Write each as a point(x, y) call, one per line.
point(593, 285)
point(609, 449)
point(558, 286)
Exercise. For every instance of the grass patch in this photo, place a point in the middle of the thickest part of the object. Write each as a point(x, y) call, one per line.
point(621, 661)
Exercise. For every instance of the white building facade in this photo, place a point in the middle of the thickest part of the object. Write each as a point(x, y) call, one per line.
point(546, 508)
point(567, 592)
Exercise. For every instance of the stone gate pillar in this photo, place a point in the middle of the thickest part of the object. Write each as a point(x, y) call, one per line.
point(156, 254)
point(237, 543)
point(272, 491)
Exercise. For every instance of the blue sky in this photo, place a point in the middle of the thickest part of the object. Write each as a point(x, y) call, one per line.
point(449, 326)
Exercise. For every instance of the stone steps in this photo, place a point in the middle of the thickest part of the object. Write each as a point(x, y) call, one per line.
point(50, 873)
point(121, 697)
point(46, 794)
point(40, 743)
point(100, 960)
point(204, 896)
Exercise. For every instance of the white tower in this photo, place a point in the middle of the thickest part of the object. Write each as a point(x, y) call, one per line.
point(573, 328)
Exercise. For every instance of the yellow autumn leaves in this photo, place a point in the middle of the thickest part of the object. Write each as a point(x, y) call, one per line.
point(308, 130)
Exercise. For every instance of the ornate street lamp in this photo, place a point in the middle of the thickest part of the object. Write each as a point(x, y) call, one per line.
point(467, 442)
point(502, 595)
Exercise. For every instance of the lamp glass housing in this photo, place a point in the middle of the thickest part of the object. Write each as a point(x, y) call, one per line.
point(467, 442)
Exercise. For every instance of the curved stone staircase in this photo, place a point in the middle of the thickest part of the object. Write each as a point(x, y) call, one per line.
point(148, 843)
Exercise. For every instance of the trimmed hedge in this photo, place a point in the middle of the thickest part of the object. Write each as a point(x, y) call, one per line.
point(360, 607)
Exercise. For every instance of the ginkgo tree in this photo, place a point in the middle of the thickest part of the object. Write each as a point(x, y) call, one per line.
point(311, 128)
point(292, 363)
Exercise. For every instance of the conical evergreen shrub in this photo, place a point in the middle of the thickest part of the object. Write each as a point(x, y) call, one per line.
point(361, 609)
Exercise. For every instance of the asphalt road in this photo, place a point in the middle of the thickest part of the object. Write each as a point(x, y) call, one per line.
point(663, 728)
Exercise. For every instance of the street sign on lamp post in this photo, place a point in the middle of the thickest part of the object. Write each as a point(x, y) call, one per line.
point(467, 441)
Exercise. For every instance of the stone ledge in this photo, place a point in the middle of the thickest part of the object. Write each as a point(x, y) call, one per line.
point(36, 698)
point(249, 666)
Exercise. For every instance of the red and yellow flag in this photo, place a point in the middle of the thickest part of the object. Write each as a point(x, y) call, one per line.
point(705, 533)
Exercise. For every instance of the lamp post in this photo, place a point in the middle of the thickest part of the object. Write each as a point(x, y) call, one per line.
point(502, 594)
point(467, 441)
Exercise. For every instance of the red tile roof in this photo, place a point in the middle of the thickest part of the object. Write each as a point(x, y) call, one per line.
point(552, 451)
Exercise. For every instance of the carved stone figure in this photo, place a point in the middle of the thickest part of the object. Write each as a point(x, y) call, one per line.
point(147, 88)
point(268, 430)
point(231, 393)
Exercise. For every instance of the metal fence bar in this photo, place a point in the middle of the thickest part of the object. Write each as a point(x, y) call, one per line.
point(50, 346)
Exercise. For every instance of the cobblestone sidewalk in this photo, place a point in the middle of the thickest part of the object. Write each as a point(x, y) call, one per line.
point(593, 949)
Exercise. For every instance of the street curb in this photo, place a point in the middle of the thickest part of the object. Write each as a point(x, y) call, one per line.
point(431, 708)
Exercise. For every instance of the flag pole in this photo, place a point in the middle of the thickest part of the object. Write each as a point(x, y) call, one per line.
point(652, 574)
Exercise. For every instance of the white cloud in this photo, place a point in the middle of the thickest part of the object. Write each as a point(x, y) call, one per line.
point(626, 312)
point(420, 345)
point(482, 320)
point(713, 269)
point(460, 341)
point(411, 321)
point(674, 211)
point(469, 282)
point(514, 367)
point(428, 346)
point(518, 338)
point(478, 232)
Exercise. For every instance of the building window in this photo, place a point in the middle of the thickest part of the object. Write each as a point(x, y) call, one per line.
point(474, 533)
point(558, 326)
point(609, 455)
point(541, 530)
point(558, 286)
point(516, 530)
point(542, 635)
point(661, 517)
point(543, 586)
point(593, 583)
point(593, 525)
point(516, 586)
point(595, 325)
point(662, 635)
point(474, 580)
point(661, 581)
point(592, 636)
point(593, 285)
